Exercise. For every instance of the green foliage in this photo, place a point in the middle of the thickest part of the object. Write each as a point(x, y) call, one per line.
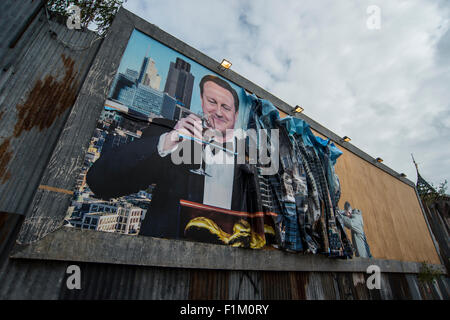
point(443, 188)
point(427, 273)
point(430, 196)
point(101, 13)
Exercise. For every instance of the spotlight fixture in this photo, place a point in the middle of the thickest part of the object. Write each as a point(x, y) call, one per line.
point(225, 65)
point(298, 109)
point(346, 139)
point(379, 160)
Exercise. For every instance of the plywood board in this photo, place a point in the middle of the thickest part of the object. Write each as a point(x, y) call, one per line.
point(393, 220)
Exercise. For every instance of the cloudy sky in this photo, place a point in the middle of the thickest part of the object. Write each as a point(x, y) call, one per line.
point(388, 88)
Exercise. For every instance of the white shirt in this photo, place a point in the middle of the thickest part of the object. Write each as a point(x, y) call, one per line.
point(218, 188)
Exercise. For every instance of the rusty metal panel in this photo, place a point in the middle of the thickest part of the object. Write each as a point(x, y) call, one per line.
point(46, 280)
point(208, 285)
point(39, 80)
point(115, 282)
point(48, 209)
point(329, 286)
point(31, 279)
point(344, 283)
point(28, 279)
point(276, 286)
point(299, 283)
point(36, 95)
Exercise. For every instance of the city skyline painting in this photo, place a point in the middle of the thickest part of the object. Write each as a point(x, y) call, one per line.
point(141, 47)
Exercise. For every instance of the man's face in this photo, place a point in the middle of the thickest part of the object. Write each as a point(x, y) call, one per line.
point(218, 104)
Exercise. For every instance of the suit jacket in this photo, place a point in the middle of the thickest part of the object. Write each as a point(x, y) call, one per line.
point(136, 165)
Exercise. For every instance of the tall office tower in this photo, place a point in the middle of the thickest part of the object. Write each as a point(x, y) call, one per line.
point(180, 82)
point(149, 74)
point(123, 89)
point(168, 107)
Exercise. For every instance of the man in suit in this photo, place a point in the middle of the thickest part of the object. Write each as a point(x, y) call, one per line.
point(148, 160)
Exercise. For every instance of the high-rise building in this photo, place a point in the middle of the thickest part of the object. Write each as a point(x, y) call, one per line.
point(180, 82)
point(123, 89)
point(149, 74)
point(138, 97)
point(168, 108)
point(147, 100)
point(139, 91)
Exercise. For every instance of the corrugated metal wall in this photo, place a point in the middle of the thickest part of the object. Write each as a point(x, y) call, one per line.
point(15, 16)
point(39, 80)
point(43, 65)
point(28, 279)
point(38, 86)
point(46, 280)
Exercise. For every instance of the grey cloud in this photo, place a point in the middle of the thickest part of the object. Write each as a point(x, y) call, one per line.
point(443, 50)
point(252, 29)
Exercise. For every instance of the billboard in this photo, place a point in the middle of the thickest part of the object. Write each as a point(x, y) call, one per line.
point(179, 152)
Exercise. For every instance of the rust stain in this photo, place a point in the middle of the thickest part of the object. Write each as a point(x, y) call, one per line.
point(47, 100)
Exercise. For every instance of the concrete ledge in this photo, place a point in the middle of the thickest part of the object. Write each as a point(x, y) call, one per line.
point(69, 244)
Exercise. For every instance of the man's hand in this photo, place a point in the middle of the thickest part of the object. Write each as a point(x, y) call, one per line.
point(190, 126)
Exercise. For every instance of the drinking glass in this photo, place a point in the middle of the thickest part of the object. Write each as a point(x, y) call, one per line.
point(205, 126)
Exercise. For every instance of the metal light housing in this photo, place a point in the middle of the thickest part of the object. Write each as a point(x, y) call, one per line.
point(225, 64)
point(298, 109)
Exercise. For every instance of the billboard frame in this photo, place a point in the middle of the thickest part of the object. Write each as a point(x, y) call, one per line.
point(44, 237)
